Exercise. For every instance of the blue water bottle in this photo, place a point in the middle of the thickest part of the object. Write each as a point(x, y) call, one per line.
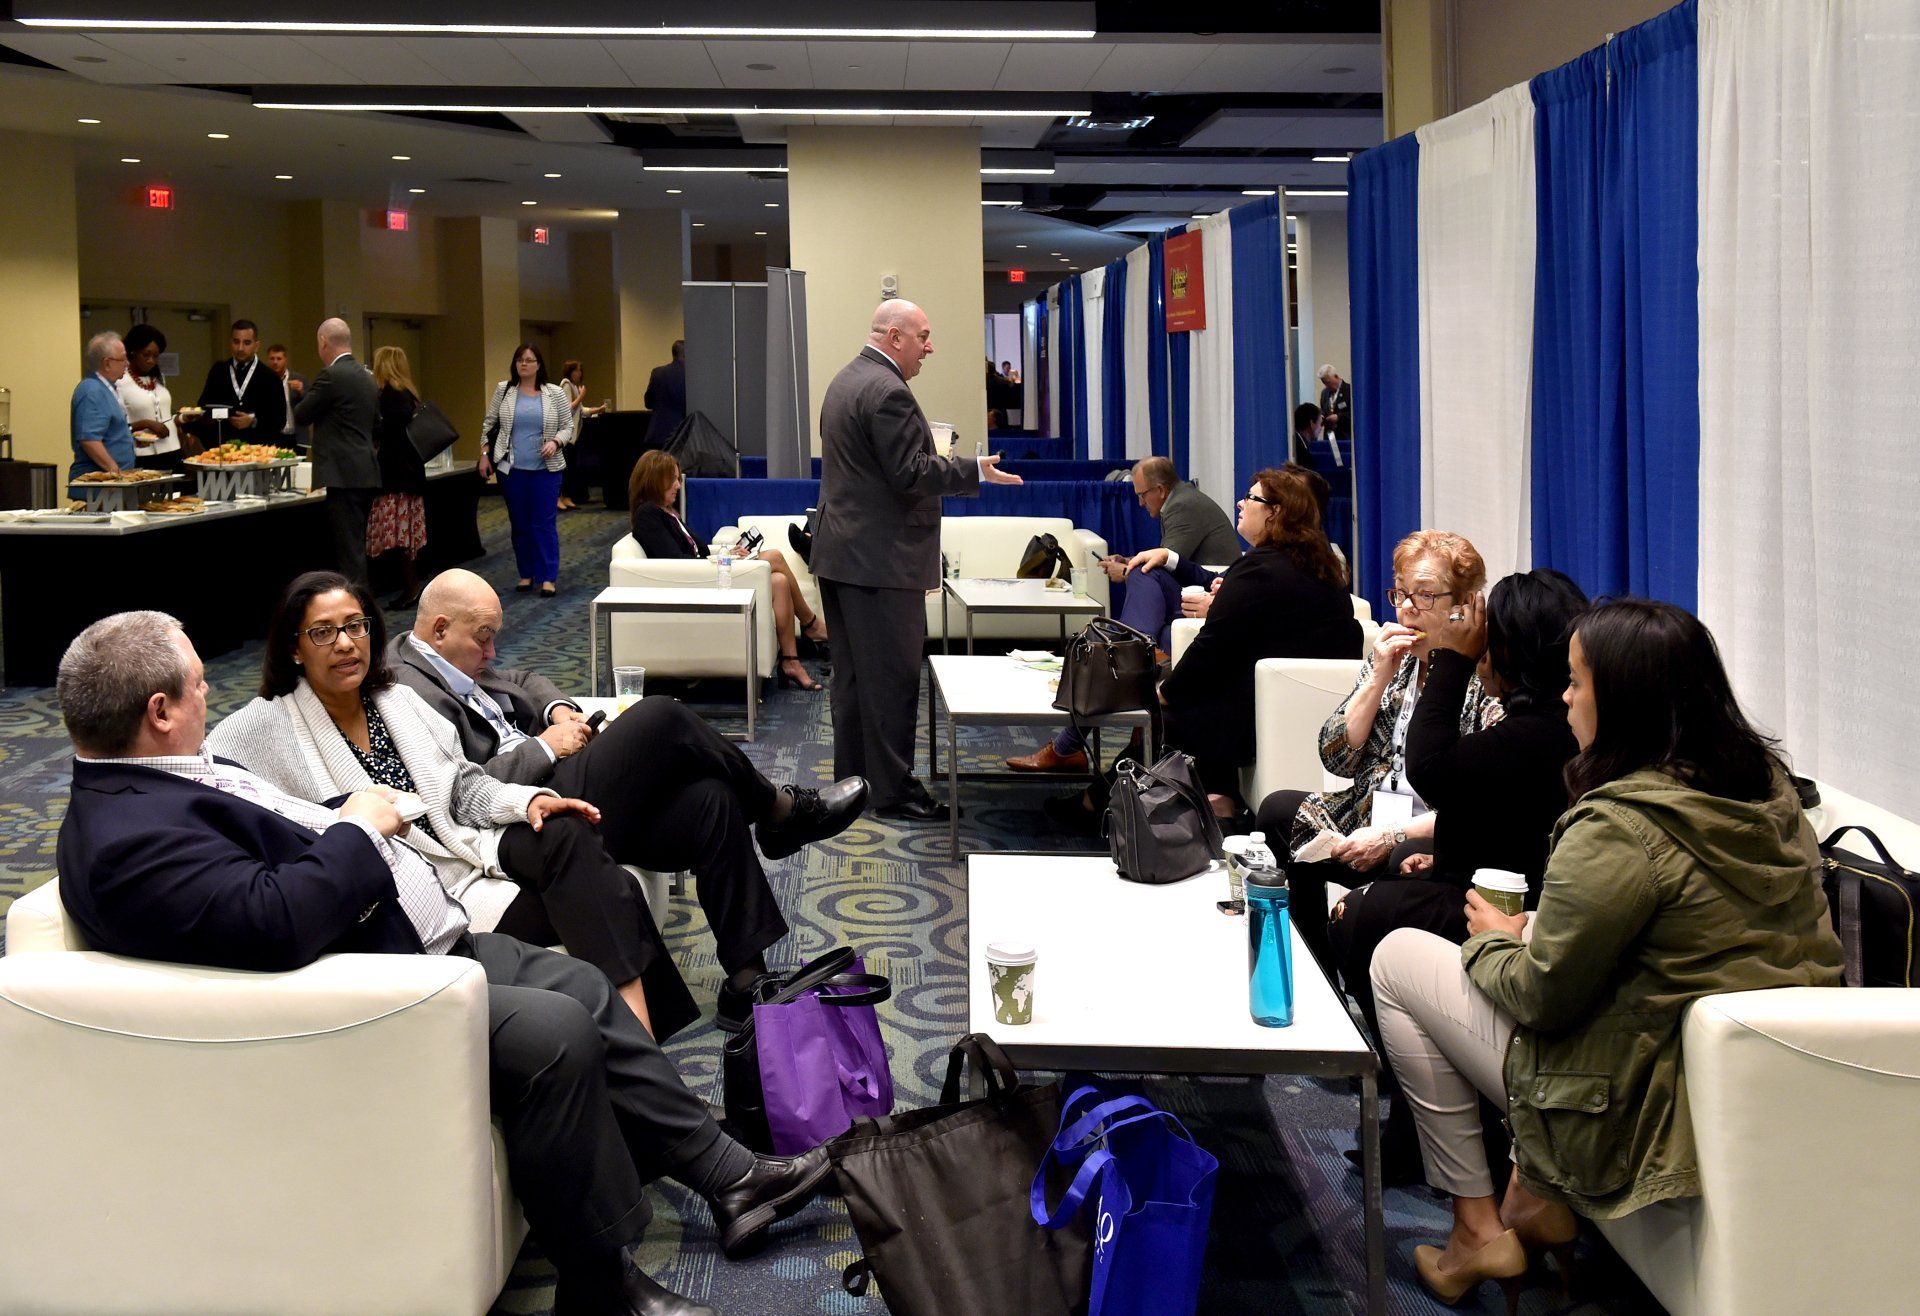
point(1269, 949)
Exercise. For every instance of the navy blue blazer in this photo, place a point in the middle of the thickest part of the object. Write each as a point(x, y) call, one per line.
point(163, 868)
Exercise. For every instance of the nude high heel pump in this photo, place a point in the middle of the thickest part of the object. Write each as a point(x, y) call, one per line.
point(1503, 1260)
point(1552, 1231)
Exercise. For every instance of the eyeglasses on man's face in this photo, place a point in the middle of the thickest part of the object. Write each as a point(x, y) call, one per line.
point(1422, 599)
point(326, 632)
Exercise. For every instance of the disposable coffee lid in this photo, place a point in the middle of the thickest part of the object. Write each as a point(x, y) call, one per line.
point(1265, 881)
point(1010, 952)
point(1499, 879)
point(1260, 837)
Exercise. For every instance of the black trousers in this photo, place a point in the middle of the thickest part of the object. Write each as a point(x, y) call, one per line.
point(875, 637)
point(347, 512)
point(589, 1106)
point(673, 793)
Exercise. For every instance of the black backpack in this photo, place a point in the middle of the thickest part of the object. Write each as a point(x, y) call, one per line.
point(1873, 903)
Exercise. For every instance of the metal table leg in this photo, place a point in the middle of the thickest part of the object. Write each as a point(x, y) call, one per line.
point(1375, 1227)
point(969, 632)
point(933, 754)
point(593, 646)
point(953, 789)
point(753, 667)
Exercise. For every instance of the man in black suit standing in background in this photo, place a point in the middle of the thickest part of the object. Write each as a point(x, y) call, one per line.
point(254, 395)
point(876, 552)
point(341, 404)
point(666, 398)
point(1336, 404)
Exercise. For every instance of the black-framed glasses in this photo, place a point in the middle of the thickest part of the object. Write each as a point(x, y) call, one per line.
point(326, 632)
point(1264, 502)
point(1425, 598)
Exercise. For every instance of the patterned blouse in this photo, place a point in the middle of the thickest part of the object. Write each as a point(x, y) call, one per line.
point(1345, 810)
point(382, 760)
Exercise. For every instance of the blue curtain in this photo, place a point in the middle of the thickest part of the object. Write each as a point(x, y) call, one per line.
point(1259, 339)
point(1616, 419)
point(1075, 292)
point(1038, 422)
point(1113, 364)
point(1179, 379)
point(1157, 347)
point(1065, 411)
point(1383, 274)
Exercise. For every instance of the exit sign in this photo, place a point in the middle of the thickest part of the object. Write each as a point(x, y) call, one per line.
point(159, 198)
point(1016, 276)
point(397, 221)
point(541, 237)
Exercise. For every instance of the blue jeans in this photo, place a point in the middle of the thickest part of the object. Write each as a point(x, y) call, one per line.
point(1152, 602)
point(533, 511)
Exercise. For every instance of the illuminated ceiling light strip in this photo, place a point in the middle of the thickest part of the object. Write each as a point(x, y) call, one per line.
point(1002, 203)
point(1332, 159)
point(1302, 191)
point(736, 111)
point(713, 169)
point(1038, 173)
point(550, 30)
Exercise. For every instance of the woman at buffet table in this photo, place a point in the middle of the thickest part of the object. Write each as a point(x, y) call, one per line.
point(143, 392)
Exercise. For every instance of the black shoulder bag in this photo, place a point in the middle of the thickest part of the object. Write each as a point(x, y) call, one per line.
point(1873, 904)
point(1044, 560)
point(1160, 828)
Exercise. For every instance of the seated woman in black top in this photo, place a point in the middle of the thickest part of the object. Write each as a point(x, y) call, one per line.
point(1285, 598)
point(652, 492)
point(1495, 794)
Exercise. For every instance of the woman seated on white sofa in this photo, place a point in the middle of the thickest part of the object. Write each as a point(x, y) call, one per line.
point(1685, 868)
point(652, 492)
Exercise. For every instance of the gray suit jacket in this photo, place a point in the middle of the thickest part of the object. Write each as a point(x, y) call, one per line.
point(523, 696)
point(1195, 527)
point(342, 404)
point(880, 482)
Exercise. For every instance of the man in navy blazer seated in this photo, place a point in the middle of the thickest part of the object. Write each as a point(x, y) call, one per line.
point(168, 853)
point(673, 793)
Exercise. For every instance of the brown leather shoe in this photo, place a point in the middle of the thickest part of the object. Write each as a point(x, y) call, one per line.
point(1047, 759)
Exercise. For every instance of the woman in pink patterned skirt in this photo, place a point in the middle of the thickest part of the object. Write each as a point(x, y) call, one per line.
point(398, 522)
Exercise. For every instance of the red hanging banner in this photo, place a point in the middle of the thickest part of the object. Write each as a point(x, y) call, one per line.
point(1186, 290)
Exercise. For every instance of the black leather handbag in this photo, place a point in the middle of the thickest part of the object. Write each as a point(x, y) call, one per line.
point(1044, 560)
point(1109, 668)
point(430, 432)
point(1873, 902)
point(1160, 828)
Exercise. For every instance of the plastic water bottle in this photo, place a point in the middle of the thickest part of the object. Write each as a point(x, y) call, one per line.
point(1259, 853)
point(726, 572)
point(1269, 948)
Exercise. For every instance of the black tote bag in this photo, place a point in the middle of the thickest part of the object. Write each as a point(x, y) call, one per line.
point(939, 1198)
point(1160, 827)
point(430, 432)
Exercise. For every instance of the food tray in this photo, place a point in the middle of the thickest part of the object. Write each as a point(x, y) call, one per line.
point(121, 495)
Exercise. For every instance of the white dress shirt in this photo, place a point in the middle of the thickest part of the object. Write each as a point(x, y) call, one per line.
point(468, 691)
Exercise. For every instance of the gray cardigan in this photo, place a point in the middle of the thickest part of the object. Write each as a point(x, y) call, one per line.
point(292, 742)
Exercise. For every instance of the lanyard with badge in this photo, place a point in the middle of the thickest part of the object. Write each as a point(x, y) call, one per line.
point(239, 384)
point(1395, 802)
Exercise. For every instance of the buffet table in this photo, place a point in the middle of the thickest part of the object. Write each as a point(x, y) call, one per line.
point(219, 571)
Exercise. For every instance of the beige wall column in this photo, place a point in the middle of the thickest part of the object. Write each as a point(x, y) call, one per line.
point(653, 255)
point(1326, 335)
point(867, 202)
point(1414, 62)
point(592, 336)
point(470, 345)
point(325, 276)
point(40, 343)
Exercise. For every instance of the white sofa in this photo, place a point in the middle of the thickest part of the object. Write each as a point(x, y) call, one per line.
point(195, 1140)
point(987, 546)
point(692, 645)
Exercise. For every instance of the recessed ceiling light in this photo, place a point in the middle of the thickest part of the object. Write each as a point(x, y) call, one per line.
point(771, 205)
point(217, 137)
point(1056, 253)
point(401, 157)
point(1338, 68)
point(1331, 159)
point(552, 175)
point(1019, 246)
point(283, 178)
point(87, 121)
point(129, 159)
point(418, 191)
point(699, 223)
point(529, 203)
point(759, 233)
point(674, 191)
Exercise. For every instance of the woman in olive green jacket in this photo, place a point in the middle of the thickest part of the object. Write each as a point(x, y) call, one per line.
point(1684, 868)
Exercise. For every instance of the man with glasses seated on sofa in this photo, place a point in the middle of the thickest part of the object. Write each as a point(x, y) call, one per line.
point(167, 853)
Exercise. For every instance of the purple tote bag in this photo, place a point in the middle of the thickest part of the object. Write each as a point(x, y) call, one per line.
point(822, 1064)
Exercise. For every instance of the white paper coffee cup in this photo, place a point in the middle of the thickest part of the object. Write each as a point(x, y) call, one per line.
point(1235, 850)
point(1193, 592)
point(1506, 892)
point(1010, 966)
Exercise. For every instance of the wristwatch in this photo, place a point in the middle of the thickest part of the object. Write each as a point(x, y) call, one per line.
point(1399, 836)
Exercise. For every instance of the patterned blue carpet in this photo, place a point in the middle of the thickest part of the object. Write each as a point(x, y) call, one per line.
point(1287, 1228)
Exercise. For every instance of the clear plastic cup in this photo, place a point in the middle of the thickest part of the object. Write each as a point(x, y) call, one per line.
point(629, 687)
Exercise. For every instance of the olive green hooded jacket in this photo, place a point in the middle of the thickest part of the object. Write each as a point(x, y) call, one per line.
point(1656, 894)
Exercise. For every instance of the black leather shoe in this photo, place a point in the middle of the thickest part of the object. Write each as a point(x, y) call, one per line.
point(730, 1015)
point(638, 1296)
point(922, 809)
point(817, 814)
point(775, 1188)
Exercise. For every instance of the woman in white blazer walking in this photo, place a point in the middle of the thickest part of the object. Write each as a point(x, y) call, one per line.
point(525, 437)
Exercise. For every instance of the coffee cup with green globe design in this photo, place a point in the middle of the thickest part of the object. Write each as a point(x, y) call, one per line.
point(1506, 892)
point(1010, 979)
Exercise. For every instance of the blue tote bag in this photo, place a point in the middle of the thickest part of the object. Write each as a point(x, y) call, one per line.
point(1150, 1190)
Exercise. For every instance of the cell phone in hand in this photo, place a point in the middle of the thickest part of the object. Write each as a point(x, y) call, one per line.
point(598, 716)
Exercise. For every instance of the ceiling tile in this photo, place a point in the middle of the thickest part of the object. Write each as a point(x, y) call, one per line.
point(378, 61)
point(570, 62)
point(61, 48)
point(955, 65)
point(789, 59)
point(1052, 65)
point(471, 61)
point(882, 65)
point(650, 63)
point(1243, 68)
point(1148, 66)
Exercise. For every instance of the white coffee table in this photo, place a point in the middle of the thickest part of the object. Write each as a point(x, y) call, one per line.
point(1020, 596)
point(655, 598)
point(1101, 1002)
point(994, 690)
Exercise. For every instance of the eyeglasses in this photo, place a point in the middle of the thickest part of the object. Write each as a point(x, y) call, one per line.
point(1424, 598)
point(1264, 502)
point(326, 632)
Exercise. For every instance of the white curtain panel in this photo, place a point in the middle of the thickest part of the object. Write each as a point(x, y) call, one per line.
point(1210, 397)
point(1093, 299)
point(1134, 347)
point(1030, 365)
point(1476, 236)
point(1809, 391)
point(1051, 421)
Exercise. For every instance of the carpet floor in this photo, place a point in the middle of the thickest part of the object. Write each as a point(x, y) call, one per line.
point(1287, 1224)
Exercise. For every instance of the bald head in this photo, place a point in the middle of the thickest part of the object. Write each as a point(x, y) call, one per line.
point(459, 618)
point(900, 331)
point(335, 338)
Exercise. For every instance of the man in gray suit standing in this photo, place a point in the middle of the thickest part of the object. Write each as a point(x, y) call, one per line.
point(876, 552)
point(341, 404)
